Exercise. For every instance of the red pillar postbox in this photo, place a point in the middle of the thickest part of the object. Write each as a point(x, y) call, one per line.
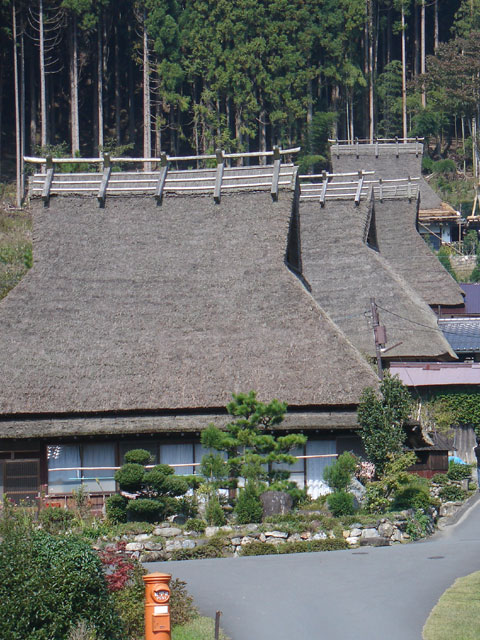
point(157, 606)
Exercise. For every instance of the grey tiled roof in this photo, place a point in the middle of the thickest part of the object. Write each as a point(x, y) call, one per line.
point(463, 335)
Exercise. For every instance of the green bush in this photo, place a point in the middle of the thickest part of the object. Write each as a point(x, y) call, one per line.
point(130, 476)
point(49, 584)
point(145, 509)
point(195, 524)
point(248, 508)
point(182, 609)
point(339, 474)
point(56, 519)
point(214, 513)
point(412, 497)
point(116, 508)
point(308, 546)
point(212, 549)
point(440, 478)
point(341, 503)
point(138, 456)
point(452, 493)
point(444, 166)
point(457, 471)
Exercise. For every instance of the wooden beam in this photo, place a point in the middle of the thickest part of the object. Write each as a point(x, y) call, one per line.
point(47, 185)
point(161, 178)
point(276, 173)
point(107, 169)
point(219, 176)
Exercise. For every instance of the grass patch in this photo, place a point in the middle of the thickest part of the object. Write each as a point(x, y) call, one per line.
point(198, 629)
point(15, 248)
point(457, 614)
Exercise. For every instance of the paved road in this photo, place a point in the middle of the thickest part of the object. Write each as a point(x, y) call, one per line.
point(381, 593)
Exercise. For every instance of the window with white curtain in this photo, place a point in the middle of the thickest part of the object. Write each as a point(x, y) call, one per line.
point(297, 470)
point(316, 485)
point(65, 456)
point(98, 455)
point(176, 454)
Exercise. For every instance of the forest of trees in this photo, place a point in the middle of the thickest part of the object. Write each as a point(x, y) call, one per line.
point(187, 76)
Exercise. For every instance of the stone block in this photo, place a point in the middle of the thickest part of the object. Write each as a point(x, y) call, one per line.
point(276, 534)
point(276, 502)
point(370, 533)
point(134, 546)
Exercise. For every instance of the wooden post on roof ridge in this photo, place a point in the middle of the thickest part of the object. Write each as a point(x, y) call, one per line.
point(107, 169)
point(47, 185)
point(276, 173)
point(161, 178)
point(219, 176)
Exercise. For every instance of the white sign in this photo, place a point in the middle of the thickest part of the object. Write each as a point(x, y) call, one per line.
point(158, 610)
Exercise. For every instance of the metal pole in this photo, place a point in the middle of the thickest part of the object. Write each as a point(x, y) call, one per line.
point(217, 625)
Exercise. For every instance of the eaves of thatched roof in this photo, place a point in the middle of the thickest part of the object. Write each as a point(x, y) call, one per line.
point(401, 244)
point(139, 307)
point(345, 274)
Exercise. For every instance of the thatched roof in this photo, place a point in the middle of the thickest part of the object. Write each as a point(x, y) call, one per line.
point(188, 424)
point(387, 165)
point(396, 220)
point(401, 244)
point(345, 273)
point(140, 307)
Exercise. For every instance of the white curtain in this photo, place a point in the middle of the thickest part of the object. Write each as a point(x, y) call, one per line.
point(63, 456)
point(99, 455)
point(177, 454)
point(316, 485)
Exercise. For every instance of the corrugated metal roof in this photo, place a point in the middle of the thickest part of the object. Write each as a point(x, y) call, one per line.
point(463, 334)
point(472, 297)
point(415, 374)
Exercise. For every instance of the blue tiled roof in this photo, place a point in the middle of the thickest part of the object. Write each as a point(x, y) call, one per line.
point(463, 335)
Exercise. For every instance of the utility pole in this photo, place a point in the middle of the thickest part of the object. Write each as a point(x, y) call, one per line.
point(380, 336)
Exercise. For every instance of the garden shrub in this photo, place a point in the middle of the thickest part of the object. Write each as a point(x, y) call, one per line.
point(248, 508)
point(457, 471)
point(308, 546)
point(116, 508)
point(182, 609)
point(412, 497)
point(138, 456)
point(145, 509)
point(339, 474)
point(440, 478)
point(214, 513)
point(341, 503)
point(49, 584)
point(417, 526)
point(452, 493)
point(56, 519)
point(195, 524)
point(212, 549)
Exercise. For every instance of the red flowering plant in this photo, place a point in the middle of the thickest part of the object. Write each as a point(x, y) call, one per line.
point(120, 570)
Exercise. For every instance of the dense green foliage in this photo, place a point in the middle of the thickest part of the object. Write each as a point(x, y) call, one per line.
point(157, 490)
point(239, 75)
point(382, 418)
point(248, 507)
point(457, 471)
point(461, 407)
point(339, 474)
point(308, 546)
point(341, 503)
point(395, 481)
point(452, 493)
point(49, 584)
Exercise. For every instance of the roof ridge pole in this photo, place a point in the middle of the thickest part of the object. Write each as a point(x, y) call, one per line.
point(338, 149)
point(376, 147)
point(276, 173)
point(416, 146)
point(219, 176)
point(47, 185)
point(323, 194)
point(107, 170)
point(161, 178)
point(396, 143)
point(358, 194)
point(379, 335)
point(356, 147)
point(409, 189)
point(380, 188)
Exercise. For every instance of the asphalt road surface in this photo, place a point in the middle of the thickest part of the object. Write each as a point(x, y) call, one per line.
point(383, 593)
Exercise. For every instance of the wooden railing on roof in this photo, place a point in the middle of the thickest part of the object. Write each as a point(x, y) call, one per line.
point(398, 145)
point(215, 180)
point(332, 186)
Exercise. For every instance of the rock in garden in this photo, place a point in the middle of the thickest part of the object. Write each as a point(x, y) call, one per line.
point(385, 529)
point(370, 533)
point(211, 531)
point(153, 546)
point(276, 534)
point(246, 540)
point(377, 541)
point(276, 502)
point(134, 546)
point(141, 537)
point(188, 544)
point(321, 535)
point(170, 532)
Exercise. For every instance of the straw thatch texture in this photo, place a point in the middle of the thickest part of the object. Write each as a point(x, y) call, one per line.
point(84, 426)
point(139, 307)
point(345, 274)
point(387, 166)
point(401, 244)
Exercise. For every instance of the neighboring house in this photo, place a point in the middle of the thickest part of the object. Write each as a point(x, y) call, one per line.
point(425, 380)
point(461, 327)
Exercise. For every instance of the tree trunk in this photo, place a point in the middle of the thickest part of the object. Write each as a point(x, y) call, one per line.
point(131, 95)
point(43, 84)
point(118, 104)
point(100, 45)
point(33, 106)
point(422, 52)
point(238, 133)
point(404, 74)
point(147, 138)
point(74, 120)
point(18, 149)
point(435, 26)
point(370, 71)
point(22, 109)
